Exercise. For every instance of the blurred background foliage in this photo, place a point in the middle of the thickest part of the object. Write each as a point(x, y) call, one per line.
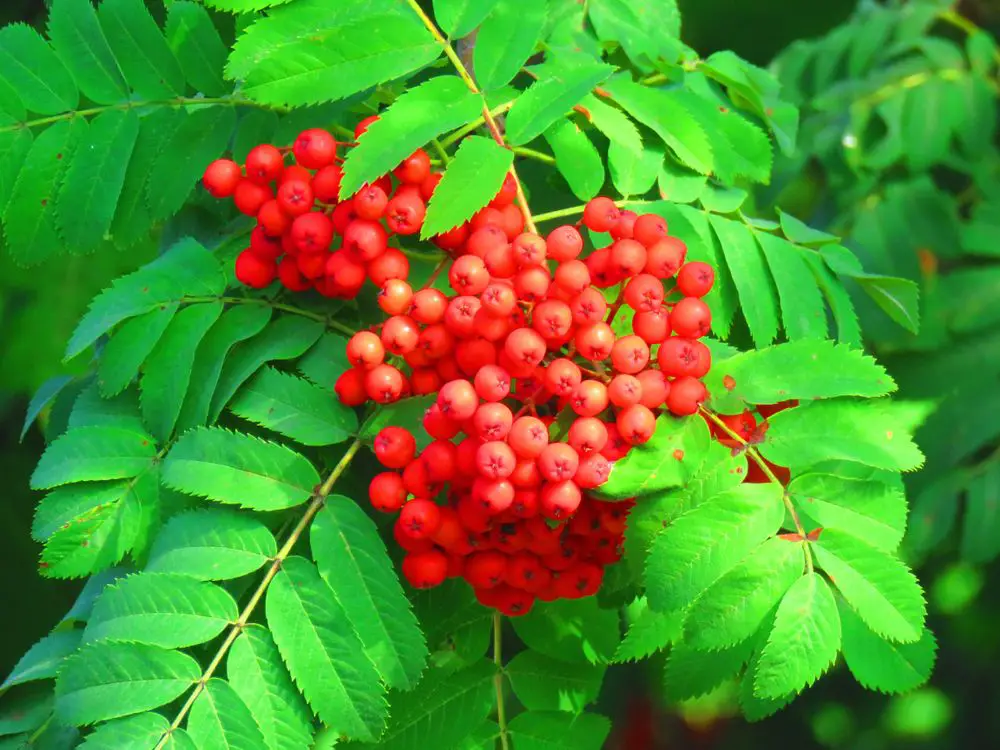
point(921, 201)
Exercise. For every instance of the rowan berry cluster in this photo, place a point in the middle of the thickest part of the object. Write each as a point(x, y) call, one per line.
point(536, 395)
point(299, 216)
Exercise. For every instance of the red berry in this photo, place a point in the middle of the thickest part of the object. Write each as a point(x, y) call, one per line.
point(364, 239)
point(440, 458)
point(529, 250)
point(312, 232)
point(458, 400)
point(425, 570)
point(492, 422)
point(589, 306)
point(400, 334)
point(525, 345)
point(552, 319)
point(290, 276)
point(264, 246)
point(622, 230)
point(384, 384)
point(573, 276)
point(264, 163)
point(636, 424)
point(695, 279)
point(644, 293)
point(528, 436)
point(742, 424)
point(429, 306)
point(594, 471)
point(387, 492)
point(395, 297)
point(221, 177)
point(365, 349)
point(652, 326)
point(326, 184)
point(391, 264)
point(558, 462)
point(625, 390)
point(255, 271)
point(627, 258)
point(655, 388)
point(665, 257)
point(468, 275)
point(495, 460)
point(649, 229)
point(315, 148)
point(563, 243)
point(248, 197)
point(679, 356)
point(559, 500)
point(415, 168)
point(587, 435)
point(370, 202)
point(630, 354)
point(295, 197)
point(394, 447)
point(506, 194)
point(492, 383)
point(420, 518)
point(691, 318)
point(405, 214)
point(594, 342)
point(686, 395)
point(600, 214)
point(485, 570)
point(562, 376)
point(350, 387)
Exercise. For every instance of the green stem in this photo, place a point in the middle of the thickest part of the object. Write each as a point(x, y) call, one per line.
point(530, 153)
point(328, 321)
point(954, 18)
point(318, 498)
point(498, 679)
point(576, 210)
point(436, 144)
point(474, 125)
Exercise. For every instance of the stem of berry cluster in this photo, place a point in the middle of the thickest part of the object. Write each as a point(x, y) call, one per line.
point(498, 678)
point(754, 454)
point(318, 498)
point(577, 210)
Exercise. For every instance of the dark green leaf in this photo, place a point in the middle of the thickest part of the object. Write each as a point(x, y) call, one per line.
point(571, 630)
point(880, 665)
point(898, 298)
point(30, 67)
point(576, 159)
point(558, 730)
point(325, 361)
point(506, 40)
point(980, 541)
point(43, 660)
point(542, 683)
point(196, 44)
point(138, 44)
point(46, 392)
point(141, 730)
point(79, 42)
point(690, 673)
point(125, 353)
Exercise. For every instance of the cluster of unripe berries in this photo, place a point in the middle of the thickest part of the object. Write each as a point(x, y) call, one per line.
point(300, 218)
point(537, 396)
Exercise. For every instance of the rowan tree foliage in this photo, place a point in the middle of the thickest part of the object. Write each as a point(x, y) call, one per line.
point(214, 475)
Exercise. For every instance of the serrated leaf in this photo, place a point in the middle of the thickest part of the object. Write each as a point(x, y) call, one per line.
point(80, 43)
point(30, 67)
point(211, 544)
point(803, 311)
point(323, 654)
point(141, 730)
point(805, 640)
point(160, 609)
point(140, 49)
point(230, 467)
point(647, 30)
point(542, 683)
point(43, 660)
point(703, 544)
point(65, 504)
point(167, 374)
point(45, 394)
point(126, 351)
point(573, 630)
point(878, 664)
point(979, 543)
point(648, 633)
point(690, 673)
point(558, 730)
point(421, 113)
point(193, 39)
point(287, 337)
point(325, 361)
point(14, 148)
point(353, 560)
point(25, 711)
point(505, 41)
point(179, 740)
point(220, 720)
point(186, 269)
point(758, 297)
point(471, 180)
point(237, 324)
point(874, 433)
point(458, 17)
point(869, 509)
point(740, 148)
point(679, 184)
point(733, 608)
point(898, 298)
point(88, 454)
point(30, 216)
point(576, 159)
point(878, 585)
point(306, 53)
point(678, 129)
point(255, 127)
point(259, 677)
point(108, 680)
point(90, 409)
point(669, 459)
point(295, 408)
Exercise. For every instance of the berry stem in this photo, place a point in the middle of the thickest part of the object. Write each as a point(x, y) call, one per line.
point(759, 460)
point(318, 498)
point(530, 153)
point(488, 118)
point(439, 149)
point(498, 679)
point(576, 210)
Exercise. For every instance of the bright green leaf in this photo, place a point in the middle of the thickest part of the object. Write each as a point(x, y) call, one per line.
point(572, 630)
point(87, 454)
point(142, 53)
point(648, 632)
point(576, 159)
point(558, 730)
point(125, 353)
point(220, 720)
point(505, 41)
point(803, 310)
point(458, 17)
point(29, 66)
point(141, 730)
point(878, 664)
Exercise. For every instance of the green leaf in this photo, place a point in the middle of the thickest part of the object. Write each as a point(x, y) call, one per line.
point(576, 159)
point(202, 135)
point(353, 560)
point(733, 608)
point(458, 17)
point(47, 392)
point(180, 740)
point(255, 127)
point(874, 433)
point(161, 609)
point(542, 683)
point(107, 680)
point(801, 233)
point(79, 42)
point(325, 361)
point(558, 730)
point(220, 720)
point(27, 711)
point(193, 39)
point(30, 216)
point(648, 633)
point(690, 673)
point(634, 173)
point(758, 298)
point(664, 112)
point(141, 730)
point(841, 306)
point(187, 269)
point(616, 126)
point(549, 98)
point(237, 324)
point(259, 677)
point(420, 114)
point(230, 467)
point(869, 509)
point(898, 298)
point(125, 353)
point(879, 586)
point(88, 454)
point(295, 408)
point(323, 654)
point(211, 544)
point(167, 373)
point(404, 411)
point(90, 409)
point(64, 505)
point(14, 148)
point(805, 640)
point(43, 660)
point(669, 459)
point(30, 67)
point(505, 41)
point(703, 544)
point(142, 53)
point(979, 542)
point(678, 184)
point(471, 181)
point(572, 630)
point(803, 311)
point(312, 52)
point(880, 665)
point(287, 337)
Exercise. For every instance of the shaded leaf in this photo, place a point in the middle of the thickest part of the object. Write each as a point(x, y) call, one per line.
point(542, 683)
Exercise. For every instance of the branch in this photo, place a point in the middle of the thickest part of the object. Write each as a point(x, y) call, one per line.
point(498, 679)
point(318, 498)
